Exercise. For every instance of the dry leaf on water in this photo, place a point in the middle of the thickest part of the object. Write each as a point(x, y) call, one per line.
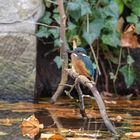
point(6, 122)
point(51, 137)
point(118, 118)
point(30, 126)
point(32, 121)
point(30, 131)
point(133, 135)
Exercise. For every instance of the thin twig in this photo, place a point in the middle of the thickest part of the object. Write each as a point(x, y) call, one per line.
point(97, 4)
point(95, 58)
point(67, 85)
point(52, 2)
point(119, 64)
point(42, 24)
point(97, 53)
point(87, 23)
point(105, 74)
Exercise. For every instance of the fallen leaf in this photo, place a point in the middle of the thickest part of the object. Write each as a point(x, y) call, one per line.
point(117, 119)
point(82, 138)
point(9, 121)
point(129, 39)
point(133, 135)
point(51, 137)
point(30, 131)
point(30, 126)
point(130, 28)
point(32, 121)
point(110, 102)
point(6, 122)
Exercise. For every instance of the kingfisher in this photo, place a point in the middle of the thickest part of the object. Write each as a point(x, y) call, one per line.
point(81, 63)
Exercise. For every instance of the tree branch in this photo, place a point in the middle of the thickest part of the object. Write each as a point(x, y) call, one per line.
point(63, 52)
point(90, 84)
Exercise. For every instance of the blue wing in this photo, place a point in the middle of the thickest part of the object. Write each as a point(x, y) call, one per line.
point(88, 63)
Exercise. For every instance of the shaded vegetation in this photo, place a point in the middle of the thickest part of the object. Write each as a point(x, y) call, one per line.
point(96, 25)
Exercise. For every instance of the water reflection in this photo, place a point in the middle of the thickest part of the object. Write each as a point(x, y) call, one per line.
point(64, 118)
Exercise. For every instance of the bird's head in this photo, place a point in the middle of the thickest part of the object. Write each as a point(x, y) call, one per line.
point(78, 50)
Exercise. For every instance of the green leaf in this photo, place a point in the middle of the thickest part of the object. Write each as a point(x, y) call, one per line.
point(104, 2)
point(74, 10)
point(71, 26)
point(92, 2)
point(85, 8)
point(137, 29)
point(78, 9)
point(55, 32)
point(46, 18)
point(94, 30)
point(57, 18)
point(47, 4)
point(111, 39)
point(132, 18)
point(128, 3)
point(135, 6)
point(129, 75)
point(58, 61)
point(114, 60)
point(111, 24)
point(75, 14)
point(43, 32)
point(57, 43)
point(112, 76)
point(94, 65)
point(73, 6)
point(130, 60)
point(56, 11)
point(120, 5)
point(111, 10)
point(71, 34)
point(110, 15)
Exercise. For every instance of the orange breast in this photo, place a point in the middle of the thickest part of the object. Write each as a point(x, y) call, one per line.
point(79, 66)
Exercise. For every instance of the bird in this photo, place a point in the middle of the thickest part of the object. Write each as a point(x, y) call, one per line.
point(82, 63)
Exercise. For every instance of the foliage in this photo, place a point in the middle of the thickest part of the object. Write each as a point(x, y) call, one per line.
point(128, 72)
point(91, 20)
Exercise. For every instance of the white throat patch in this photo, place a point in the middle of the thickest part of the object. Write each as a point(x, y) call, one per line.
point(83, 54)
point(75, 54)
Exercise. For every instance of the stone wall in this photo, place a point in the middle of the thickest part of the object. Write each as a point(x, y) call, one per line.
point(18, 48)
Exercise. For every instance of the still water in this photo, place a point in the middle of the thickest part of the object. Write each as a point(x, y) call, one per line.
point(64, 119)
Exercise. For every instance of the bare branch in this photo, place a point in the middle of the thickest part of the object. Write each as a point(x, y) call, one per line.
point(90, 84)
point(63, 53)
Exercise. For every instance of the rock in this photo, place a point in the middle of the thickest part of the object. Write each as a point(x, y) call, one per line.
point(20, 15)
point(12, 11)
point(17, 65)
point(18, 48)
